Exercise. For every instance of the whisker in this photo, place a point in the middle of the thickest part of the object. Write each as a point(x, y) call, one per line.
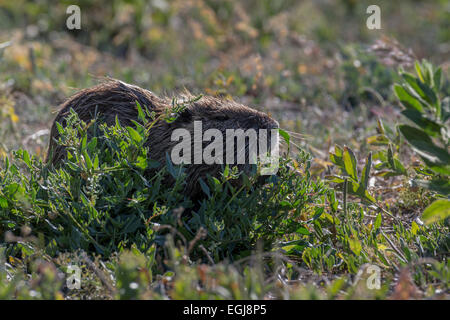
point(298, 147)
point(288, 149)
point(296, 134)
point(298, 138)
point(295, 145)
point(293, 132)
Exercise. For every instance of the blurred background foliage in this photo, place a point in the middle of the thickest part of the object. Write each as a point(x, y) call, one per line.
point(313, 65)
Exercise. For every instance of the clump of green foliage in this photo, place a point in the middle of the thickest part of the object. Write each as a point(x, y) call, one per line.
point(421, 95)
point(426, 107)
point(136, 236)
point(102, 198)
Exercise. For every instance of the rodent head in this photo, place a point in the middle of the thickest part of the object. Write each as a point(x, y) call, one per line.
point(226, 114)
point(221, 115)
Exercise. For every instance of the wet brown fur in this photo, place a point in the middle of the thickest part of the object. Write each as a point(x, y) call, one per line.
point(114, 97)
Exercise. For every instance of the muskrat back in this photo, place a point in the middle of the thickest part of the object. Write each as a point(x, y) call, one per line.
point(114, 98)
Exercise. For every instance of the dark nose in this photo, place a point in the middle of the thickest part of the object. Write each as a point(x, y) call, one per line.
point(271, 124)
point(275, 124)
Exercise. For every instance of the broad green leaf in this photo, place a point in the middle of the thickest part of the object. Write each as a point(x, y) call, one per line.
point(390, 158)
point(437, 211)
point(92, 144)
point(406, 99)
point(118, 125)
point(445, 111)
point(427, 72)
point(350, 163)
point(96, 162)
point(285, 135)
point(285, 204)
point(3, 202)
point(84, 142)
point(388, 161)
point(332, 200)
point(355, 189)
point(437, 78)
point(380, 155)
point(84, 199)
point(380, 126)
point(414, 228)
point(141, 162)
point(26, 158)
point(434, 157)
point(60, 128)
point(303, 230)
point(368, 196)
point(378, 140)
point(441, 186)
point(355, 246)
point(365, 173)
point(134, 134)
point(334, 178)
point(139, 127)
point(377, 223)
point(337, 160)
point(399, 168)
point(338, 150)
point(430, 96)
point(88, 160)
point(318, 213)
point(427, 125)
point(141, 114)
point(419, 71)
point(421, 89)
point(226, 171)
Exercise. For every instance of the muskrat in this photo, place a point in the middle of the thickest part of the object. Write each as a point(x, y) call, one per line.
point(113, 98)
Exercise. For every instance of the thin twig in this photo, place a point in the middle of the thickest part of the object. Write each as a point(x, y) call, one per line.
point(206, 254)
point(100, 274)
point(201, 233)
point(394, 247)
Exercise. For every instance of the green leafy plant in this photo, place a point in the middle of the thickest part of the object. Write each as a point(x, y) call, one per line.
point(102, 198)
point(389, 163)
point(420, 95)
point(345, 160)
